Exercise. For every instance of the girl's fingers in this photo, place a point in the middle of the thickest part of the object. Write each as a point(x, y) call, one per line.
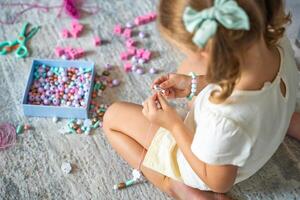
point(168, 83)
point(164, 104)
point(159, 80)
point(151, 103)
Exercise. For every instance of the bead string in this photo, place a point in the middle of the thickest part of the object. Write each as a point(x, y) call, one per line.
point(69, 9)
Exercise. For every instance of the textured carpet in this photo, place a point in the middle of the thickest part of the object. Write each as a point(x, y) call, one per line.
point(31, 169)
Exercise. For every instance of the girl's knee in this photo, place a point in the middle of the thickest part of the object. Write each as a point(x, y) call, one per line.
point(110, 114)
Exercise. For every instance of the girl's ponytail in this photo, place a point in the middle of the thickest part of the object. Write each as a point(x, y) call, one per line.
point(276, 19)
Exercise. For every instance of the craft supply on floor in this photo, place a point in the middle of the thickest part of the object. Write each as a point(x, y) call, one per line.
point(73, 8)
point(20, 43)
point(138, 57)
point(57, 86)
point(7, 135)
point(66, 167)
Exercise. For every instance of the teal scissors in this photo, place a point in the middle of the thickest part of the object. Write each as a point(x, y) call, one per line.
point(20, 43)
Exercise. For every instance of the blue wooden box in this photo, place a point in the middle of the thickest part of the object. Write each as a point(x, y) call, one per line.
point(57, 111)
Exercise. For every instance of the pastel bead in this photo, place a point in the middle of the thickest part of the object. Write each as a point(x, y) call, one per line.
point(153, 70)
point(116, 82)
point(118, 29)
point(127, 33)
point(97, 41)
point(65, 33)
point(127, 67)
point(140, 71)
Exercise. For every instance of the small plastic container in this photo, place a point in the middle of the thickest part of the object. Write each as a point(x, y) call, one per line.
point(57, 111)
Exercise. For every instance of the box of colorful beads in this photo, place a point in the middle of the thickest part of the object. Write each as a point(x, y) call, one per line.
point(59, 88)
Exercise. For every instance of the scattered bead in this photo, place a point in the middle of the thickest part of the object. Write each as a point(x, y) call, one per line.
point(140, 71)
point(97, 41)
point(116, 82)
point(66, 167)
point(127, 33)
point(59, 51)
point(127, 67)
point(141, 61)
point(153, 70)
point(20, 129)
point(27, 127)
point(55, 119)
point(129, 25)
point(142, 34)
point(118, 29)
point(108, 66)
point(65, 33)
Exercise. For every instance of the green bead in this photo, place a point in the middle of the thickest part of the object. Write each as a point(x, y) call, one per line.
point(96, 125)
point(20, 129)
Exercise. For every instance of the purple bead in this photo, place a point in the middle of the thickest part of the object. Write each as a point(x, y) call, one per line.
point(31, 98)
point(55, 101)
point(140, 71)
point(68, 103)
point(49, 73)
point(80, 92)
point(67, 90)
point(41, 70)
point(40, 90)
point(41, 80)
point(153, 70)
point(65, 97)
point(48, 93)
point(46, 101)
point(43, 96)
point(142, 34)
point(65, 79)
point(134, 67)
point(129, 25)
point(116, 82)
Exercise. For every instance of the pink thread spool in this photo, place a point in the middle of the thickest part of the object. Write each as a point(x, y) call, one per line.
point(7, 135)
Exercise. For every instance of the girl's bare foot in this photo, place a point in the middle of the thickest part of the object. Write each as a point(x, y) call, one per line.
point(184, 192)
point(294, 128)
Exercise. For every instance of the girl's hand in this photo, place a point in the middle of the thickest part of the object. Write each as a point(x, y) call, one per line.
point(165, 117)
point(175, 85)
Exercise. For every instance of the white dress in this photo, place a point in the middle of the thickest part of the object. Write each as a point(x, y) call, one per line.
point(245, 132)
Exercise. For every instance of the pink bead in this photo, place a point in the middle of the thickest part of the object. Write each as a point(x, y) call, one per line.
point(124, 56)
point(152, 16)
point(127, 33)
point(65, 33)
point(131, 51)
point(146, 55)
point(130, 43)
point(97, 41)
point(75, 33)
point(140, 52)
point(127, 67)
point(76, 26)
point(118, 29)
point(59, 51)
point(138, 21)
point(194, 81)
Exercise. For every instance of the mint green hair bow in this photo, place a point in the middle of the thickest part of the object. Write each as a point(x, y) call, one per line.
point(205, 23)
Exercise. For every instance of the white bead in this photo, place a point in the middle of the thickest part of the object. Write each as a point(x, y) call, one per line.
point(66, 167)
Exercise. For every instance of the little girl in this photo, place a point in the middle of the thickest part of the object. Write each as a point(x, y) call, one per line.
point(245, 96)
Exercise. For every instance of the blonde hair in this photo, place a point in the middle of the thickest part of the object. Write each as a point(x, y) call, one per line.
point(267, 19)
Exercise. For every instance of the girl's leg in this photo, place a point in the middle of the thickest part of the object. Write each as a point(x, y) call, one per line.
point(126, 129)
point(294, 128)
